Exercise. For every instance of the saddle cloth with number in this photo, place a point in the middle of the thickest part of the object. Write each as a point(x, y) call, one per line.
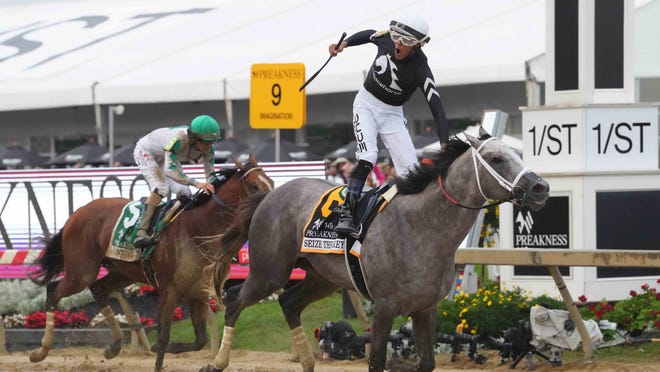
point(121, 241)
point(319, 235)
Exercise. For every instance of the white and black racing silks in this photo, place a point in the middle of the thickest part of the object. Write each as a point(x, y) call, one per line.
point(394, 81)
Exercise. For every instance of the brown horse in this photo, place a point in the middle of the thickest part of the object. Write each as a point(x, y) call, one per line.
point(178, 260)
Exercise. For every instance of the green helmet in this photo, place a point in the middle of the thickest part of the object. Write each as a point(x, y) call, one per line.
point(205, 128)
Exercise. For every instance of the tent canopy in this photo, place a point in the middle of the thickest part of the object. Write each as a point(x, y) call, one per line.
point(68, 53)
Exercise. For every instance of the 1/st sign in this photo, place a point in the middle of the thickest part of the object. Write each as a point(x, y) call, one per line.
point(275, 102)
point(591, 138)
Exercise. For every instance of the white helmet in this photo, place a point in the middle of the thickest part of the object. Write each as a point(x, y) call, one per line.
point(411, 25)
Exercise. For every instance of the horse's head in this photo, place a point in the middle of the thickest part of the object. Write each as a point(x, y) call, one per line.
point(233, 184)
point(500, 173)
point(253, 177)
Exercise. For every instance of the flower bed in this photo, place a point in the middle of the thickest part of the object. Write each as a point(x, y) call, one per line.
point(492, 310)
point(81, 324)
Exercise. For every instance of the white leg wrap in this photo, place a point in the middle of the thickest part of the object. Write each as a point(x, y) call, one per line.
point(47, 341)
point(221, 360)
point(303, 348)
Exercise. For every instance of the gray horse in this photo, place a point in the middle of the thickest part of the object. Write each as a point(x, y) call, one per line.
point(407, 254)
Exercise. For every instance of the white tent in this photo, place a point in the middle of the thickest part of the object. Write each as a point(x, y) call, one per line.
point(61, 53)
point(69, 53)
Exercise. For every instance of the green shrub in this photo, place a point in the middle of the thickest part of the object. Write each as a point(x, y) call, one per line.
point(487, 312)
point(639, 312)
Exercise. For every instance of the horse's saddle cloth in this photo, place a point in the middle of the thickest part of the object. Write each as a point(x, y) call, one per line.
point(319, 235)
point(121, 244)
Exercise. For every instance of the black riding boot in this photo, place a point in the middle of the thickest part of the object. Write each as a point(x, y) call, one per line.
point(346, 225)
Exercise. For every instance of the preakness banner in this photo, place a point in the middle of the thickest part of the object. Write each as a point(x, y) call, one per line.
point(546, 228)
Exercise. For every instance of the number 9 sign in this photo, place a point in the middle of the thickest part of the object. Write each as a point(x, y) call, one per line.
point(275, 102)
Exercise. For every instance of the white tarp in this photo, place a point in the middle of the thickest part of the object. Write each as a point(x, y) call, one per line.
point(52, 53)
point(555, 327)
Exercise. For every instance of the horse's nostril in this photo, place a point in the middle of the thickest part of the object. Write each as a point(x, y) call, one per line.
point(539, 188)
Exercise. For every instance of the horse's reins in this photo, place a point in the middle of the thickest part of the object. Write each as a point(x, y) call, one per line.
point(214, 197)
point(509, 186)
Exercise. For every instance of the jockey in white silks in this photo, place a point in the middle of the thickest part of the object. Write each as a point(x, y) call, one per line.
point(159, 155)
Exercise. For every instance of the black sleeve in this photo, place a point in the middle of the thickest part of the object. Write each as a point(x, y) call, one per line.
point(427, 85)
point(360, 38)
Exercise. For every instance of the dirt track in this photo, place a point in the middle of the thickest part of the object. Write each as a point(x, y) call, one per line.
point(91, 360)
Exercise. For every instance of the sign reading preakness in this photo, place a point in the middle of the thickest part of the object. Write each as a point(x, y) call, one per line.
point(545, 228)
point(275, 102)
point(591, 138)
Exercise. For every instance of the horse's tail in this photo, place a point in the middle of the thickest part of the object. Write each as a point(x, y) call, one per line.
point(234, 238)
point(51, 262)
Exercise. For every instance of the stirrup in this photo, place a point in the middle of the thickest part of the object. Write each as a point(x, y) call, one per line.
point(349, 229)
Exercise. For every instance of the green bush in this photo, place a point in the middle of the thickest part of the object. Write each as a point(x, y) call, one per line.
point(487, 312)
point(639, 312)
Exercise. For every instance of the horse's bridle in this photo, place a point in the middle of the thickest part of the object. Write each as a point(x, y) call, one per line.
point(261, 178)
point(219, 201)
point(517, 193)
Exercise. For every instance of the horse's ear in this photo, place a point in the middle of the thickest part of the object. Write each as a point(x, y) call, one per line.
point(483, 132)
point(237, 163)
point(251, 159)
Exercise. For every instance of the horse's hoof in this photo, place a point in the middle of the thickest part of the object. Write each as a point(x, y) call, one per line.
point(39, 355)
point(209, 368)
point(112, 350)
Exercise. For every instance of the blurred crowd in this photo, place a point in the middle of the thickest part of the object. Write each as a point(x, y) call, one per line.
point(339, 170)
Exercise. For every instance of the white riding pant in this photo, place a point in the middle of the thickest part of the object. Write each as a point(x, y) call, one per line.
point(372, 117)
point(155, 176)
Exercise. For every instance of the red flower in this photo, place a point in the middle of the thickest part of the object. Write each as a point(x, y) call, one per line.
point(658, 281)
point(146, 321)
point(582, 298)
point(213, 304)
point(178, 313)
point(35, 320)
point(633, 293)
point(147, 290)
point(645, 286)
point(78, 320)
point(62, 319)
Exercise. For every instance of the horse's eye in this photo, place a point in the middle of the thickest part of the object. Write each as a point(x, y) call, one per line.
point(497, 160)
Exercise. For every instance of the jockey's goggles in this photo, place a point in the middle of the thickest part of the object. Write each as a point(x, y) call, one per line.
point(404, 39)
point(206, 137)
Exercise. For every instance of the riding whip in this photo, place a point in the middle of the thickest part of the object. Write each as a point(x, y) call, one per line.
point(343, 35)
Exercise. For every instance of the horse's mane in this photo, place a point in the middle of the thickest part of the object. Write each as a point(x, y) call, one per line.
point(218, 178)
point(436, 164)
